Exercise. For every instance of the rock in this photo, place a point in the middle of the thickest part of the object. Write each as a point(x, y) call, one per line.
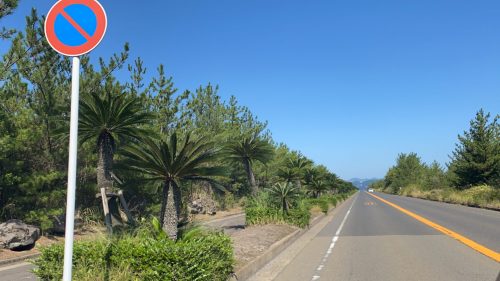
point(202, 206)
point(16, 235)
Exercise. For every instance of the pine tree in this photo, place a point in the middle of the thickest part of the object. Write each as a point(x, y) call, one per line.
point(476, 159)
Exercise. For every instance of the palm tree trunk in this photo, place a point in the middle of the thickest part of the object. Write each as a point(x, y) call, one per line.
point(285, 207)
point(104, 168)
point(170, 209)
point(251, 176)
point(105, 162)
point(298, 183)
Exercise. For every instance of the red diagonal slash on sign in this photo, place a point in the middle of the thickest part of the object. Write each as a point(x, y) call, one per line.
point(76, 25)
point(91, 41)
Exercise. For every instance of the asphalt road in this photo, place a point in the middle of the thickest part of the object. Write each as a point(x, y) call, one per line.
point(366, 239)
point(229, 224)
point(17, 272)
point(369, 240)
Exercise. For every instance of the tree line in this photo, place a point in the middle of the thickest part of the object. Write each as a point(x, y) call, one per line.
point(144, 136)
point(474, 162)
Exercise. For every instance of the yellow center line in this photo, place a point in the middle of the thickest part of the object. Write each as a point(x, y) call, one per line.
point(474, 245)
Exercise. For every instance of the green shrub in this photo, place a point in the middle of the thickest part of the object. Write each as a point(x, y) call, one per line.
point(299, 217)
point(333, 200)
point(321, 202)
point(226, 201)
point(207, 257)
point(266, 215)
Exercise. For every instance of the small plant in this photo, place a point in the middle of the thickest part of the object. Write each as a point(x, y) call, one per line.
point(285, 194)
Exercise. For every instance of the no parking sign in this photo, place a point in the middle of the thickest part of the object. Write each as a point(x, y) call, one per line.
point(74, 28)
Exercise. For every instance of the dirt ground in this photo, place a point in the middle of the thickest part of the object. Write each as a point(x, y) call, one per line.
point(253, 241)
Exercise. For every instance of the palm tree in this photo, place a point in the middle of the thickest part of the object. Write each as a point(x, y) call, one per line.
point(107, 119)
point(299, 165)
point(286, 193)
point(248, 150)
point(317, 187)
point(172, 163)
point(287, 174)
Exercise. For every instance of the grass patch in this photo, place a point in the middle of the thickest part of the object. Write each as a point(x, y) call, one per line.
point(478, 196)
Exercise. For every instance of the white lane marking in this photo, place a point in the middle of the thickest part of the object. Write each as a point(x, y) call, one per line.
point(334, 240)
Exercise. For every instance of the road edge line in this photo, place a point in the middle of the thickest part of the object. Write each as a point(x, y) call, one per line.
point(464, 240)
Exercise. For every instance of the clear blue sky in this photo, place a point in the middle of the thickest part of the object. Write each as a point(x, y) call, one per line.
point(349, 83)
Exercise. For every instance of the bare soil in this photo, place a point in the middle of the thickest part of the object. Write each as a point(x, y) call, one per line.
point(253, 241)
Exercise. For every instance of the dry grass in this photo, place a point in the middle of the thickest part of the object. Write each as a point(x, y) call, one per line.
point(479, 196)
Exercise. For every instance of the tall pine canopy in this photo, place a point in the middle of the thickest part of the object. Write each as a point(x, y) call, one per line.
point(476, 159)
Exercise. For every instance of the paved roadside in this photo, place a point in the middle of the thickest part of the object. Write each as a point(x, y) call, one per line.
point(229, 224)
point(371, 240)
point(19, 271)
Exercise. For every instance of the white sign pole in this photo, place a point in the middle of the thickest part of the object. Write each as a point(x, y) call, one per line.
point(71, 196)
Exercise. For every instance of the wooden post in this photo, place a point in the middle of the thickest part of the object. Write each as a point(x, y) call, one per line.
point(125, 207)
point(107, 215)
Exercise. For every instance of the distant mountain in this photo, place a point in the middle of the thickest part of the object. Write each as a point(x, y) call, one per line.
point(362, 183)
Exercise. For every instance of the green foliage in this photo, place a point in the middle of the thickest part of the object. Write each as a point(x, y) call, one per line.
point(471, 178)
point(408, 169)
point(226, 201)
point(6, 8)
point(259, 216)
point(323, 203)
point(247, 150)
point(34, 106)
point(264, 209)
point(477, 196)
point(171, 164)
point(476, 159)
point(316, 188)
point(113, 114)
point(121, 112)
point(201, 257)
point(285, 194)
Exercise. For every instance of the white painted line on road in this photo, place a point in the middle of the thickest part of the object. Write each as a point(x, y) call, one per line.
point(334, 240)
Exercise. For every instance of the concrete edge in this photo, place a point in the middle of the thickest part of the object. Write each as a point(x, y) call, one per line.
point(18, 259)
point(254, 266)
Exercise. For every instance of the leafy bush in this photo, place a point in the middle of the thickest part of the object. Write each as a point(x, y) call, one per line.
point(321, 202)
point(333, 200)
point(265, 215)
point(226, 201)
point(262, 209)
point(200, 257)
